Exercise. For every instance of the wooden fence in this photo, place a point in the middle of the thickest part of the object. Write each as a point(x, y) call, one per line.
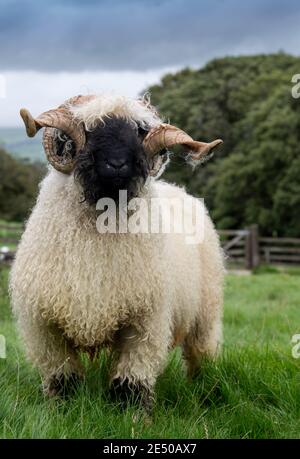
point(244, 248)
point(241, 247)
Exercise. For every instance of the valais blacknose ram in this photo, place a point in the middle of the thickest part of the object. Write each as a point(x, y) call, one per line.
point(81, 282)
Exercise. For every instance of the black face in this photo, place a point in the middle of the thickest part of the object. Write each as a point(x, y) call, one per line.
point(113, 159)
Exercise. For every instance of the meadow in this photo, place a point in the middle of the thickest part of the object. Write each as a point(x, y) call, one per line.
point(251, 391)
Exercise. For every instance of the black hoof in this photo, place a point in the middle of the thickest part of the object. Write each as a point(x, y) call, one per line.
point(126, 392)
point(62, 386)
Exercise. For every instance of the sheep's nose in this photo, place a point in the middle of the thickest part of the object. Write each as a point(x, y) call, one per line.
point(117, 163)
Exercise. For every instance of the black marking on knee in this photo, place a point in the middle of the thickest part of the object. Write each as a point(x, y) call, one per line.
point(62, 385)
point(127, 392)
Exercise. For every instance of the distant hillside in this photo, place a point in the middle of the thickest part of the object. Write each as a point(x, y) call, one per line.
point(15, 141)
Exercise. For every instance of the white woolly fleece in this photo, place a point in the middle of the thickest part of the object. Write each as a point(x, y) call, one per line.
point(133, 110)
point(73, 288)
point(70, 284)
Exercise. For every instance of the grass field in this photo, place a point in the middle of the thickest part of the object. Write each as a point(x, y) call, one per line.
point(10, 231)
point(252, 391)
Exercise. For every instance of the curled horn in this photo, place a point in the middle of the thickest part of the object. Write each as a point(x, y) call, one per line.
point(166, 135)
point(61, 119)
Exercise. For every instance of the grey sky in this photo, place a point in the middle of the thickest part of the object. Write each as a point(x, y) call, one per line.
point(50, 50)
point(136, 35)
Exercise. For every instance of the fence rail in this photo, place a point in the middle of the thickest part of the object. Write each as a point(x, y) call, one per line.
point(240, 247)
point(247, 248)
point(244, 247)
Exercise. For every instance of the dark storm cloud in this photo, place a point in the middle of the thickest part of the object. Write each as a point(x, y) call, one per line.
point(140, 34)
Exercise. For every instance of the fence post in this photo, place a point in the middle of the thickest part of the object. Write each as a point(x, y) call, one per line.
point(255, 245)
point(248, 250)
point(252, 247)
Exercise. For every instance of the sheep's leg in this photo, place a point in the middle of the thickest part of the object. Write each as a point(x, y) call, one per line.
point(205, 335)
point(203, 342)
point(141, 355)
point(47, 349)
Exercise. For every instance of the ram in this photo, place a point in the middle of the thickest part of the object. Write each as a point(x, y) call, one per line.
point(76, 289)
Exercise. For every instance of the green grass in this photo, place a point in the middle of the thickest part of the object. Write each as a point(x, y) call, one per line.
point(252, 391)
point(12, 231)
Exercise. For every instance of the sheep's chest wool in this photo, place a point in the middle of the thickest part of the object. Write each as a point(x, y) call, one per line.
point(98, 282)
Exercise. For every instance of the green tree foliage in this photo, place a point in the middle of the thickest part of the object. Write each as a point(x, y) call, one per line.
point(18, 187)
point(247, 101)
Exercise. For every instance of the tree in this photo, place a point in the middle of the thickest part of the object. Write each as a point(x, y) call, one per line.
point(18, 187)
point(254, 177)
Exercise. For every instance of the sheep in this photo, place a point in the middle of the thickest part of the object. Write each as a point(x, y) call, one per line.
point(75, 289)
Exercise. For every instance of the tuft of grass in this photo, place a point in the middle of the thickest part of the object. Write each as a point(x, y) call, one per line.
point(266, 269)
point(251, 391)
